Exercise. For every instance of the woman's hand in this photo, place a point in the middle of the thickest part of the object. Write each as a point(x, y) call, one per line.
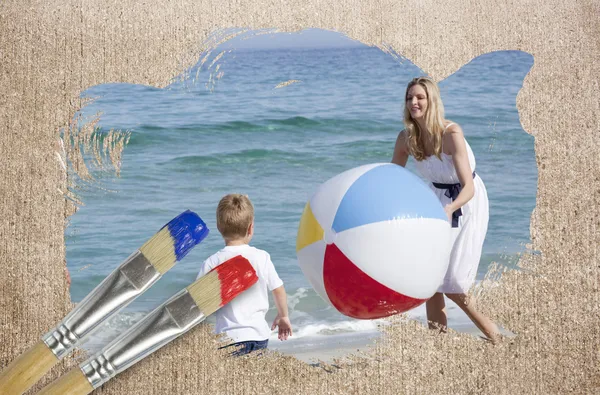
point(449, 210)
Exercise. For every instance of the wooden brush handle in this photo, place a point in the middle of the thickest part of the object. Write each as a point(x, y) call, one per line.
point(72, 383)
point(27, 369)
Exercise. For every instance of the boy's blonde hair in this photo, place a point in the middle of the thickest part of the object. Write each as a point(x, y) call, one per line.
point(235, 213)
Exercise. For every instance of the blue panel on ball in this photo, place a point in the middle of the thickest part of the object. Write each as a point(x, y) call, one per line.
point(385, 193)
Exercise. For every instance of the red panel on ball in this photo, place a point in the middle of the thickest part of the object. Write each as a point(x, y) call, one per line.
point(355, 294)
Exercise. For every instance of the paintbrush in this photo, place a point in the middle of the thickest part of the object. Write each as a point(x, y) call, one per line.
point(134, 276)
point(172, 319)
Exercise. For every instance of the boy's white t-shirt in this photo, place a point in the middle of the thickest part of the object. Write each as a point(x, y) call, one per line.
point(243, 318)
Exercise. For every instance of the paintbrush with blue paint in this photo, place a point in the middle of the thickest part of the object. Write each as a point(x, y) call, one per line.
point(132, 278)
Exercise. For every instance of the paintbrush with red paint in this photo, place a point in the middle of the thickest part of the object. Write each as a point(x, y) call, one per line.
point(172, 319)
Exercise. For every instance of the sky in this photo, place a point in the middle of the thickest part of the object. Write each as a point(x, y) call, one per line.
point(308, 38)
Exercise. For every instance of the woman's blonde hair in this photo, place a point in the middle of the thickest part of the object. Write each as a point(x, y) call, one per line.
point(434, 120)
point(235, 213)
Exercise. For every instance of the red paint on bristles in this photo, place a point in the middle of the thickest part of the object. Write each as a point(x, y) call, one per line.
point(235, 275)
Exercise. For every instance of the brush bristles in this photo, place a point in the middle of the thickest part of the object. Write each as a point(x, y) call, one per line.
point(206, 292)
point(222, 284)
point(160, 251)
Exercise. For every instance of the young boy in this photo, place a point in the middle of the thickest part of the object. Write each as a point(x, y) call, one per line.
point(243, 319)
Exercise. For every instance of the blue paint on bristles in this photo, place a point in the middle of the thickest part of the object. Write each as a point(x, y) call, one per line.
point(187, 230)
point(174, 240)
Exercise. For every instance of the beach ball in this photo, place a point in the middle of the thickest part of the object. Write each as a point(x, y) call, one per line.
point(374, 241)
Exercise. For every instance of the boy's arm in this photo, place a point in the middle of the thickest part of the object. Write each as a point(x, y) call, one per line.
point(281, 301)
point(282, 320)
point(276, 286)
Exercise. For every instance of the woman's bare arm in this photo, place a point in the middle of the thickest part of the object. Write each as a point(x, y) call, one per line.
point(400, 156)
point(455, 141)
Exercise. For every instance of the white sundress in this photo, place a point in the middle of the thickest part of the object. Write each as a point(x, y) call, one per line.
point(470, 233)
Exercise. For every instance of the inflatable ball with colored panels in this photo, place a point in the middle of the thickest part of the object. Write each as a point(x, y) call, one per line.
point(374, 241)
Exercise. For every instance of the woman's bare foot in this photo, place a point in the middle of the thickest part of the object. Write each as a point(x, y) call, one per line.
point(485, 325)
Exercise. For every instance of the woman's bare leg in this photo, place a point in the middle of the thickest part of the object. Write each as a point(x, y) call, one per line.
point(436, 312)
point(482, 322)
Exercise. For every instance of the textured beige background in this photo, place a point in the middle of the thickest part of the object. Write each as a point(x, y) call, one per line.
point(50, 51)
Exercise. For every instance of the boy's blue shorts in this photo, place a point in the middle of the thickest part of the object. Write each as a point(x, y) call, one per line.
point(243, 348)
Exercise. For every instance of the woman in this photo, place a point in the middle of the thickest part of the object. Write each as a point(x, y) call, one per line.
point(444, 157)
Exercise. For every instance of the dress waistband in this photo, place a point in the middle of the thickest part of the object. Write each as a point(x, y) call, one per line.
point(452, 191)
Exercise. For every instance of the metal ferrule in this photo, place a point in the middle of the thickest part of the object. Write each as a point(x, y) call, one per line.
point(173, 318)
point(116, 291)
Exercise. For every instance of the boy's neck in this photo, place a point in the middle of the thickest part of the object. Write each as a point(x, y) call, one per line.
point(237, 242)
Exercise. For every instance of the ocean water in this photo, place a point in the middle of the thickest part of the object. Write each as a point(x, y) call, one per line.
point(197, 140)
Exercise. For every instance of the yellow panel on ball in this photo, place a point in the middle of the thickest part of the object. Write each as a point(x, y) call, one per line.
point(309, 230)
